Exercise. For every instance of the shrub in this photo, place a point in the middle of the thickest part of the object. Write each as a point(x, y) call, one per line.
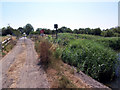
point(92, 58)
point(44, 47)
point(113, 42)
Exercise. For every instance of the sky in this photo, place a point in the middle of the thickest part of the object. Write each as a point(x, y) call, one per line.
point(72, 14)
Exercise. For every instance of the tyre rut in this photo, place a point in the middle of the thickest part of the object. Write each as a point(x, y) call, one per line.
point(20, 69)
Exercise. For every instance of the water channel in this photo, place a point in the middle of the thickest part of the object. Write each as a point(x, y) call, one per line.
point(116, 82)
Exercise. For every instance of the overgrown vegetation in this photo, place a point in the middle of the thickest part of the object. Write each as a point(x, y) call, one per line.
point(49, 55)
point(92, 58)
point(113, 42)
point(94, 55)
point(65, 83)
point(65, 38)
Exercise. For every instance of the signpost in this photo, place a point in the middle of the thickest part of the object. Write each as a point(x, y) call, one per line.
point(56, 26)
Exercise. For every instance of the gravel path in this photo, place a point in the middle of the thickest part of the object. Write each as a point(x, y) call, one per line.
point(20, 69)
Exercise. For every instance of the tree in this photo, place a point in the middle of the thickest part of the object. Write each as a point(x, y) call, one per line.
point(38, 30)
point(28, 28)
point(75, 31)
point(64, 30)
point(16, 32)
point(8, 30)
point(87, 31)
point(110, 33)
point(47, 31)
point(53, 31)
point(21, 30)
point(60, 30)
point(97, 31)
point(81, 31)
point(104, 33)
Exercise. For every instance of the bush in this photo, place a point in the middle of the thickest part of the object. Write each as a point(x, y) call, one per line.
point(92, 58)
point(113, 42)
point(44, 51)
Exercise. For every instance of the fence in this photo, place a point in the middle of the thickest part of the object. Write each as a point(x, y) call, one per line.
point(5, 43)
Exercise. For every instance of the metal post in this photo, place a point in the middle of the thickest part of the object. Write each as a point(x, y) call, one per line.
point(56, 33)
point(56, 26)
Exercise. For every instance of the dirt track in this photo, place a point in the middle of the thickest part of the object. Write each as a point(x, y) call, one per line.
point(20, 69)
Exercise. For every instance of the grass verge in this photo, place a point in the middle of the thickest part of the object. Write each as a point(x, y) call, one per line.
point(59, 74)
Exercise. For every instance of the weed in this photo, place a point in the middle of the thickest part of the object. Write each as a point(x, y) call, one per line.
point(45, 53)
point(72, 71)
point(65, 83)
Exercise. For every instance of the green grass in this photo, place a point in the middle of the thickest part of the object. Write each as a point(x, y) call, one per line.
point(65, 38)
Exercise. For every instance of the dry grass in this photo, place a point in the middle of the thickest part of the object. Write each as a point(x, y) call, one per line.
point(14, 38)
point(44, 52)
point(3, 38)
point(9, 47)
point(59, 74)
point(14, 70)
point(64, 82)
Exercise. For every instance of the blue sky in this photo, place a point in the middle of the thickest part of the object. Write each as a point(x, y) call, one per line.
point(71, 14)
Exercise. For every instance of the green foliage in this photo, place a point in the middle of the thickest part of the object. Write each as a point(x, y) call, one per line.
point(109, 33)
point(33, 33)
point(64, 30)
point(28, 28)
point(113, 32)
point(48, 31)
point(113, 42)
point(92, 58)
point(90, 37)
point(21, 30)
point(3, 54)
point(11, 31)
point(7, 30)
point(94, 55)
point(64, 39)
point(97, 31)
point(58, 52)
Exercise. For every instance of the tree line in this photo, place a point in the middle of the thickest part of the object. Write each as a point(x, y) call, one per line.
point(17, 32)
point(112, 32)
point(29, 30)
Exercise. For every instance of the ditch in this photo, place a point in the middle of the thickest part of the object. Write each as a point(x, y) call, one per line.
point(116, 82)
